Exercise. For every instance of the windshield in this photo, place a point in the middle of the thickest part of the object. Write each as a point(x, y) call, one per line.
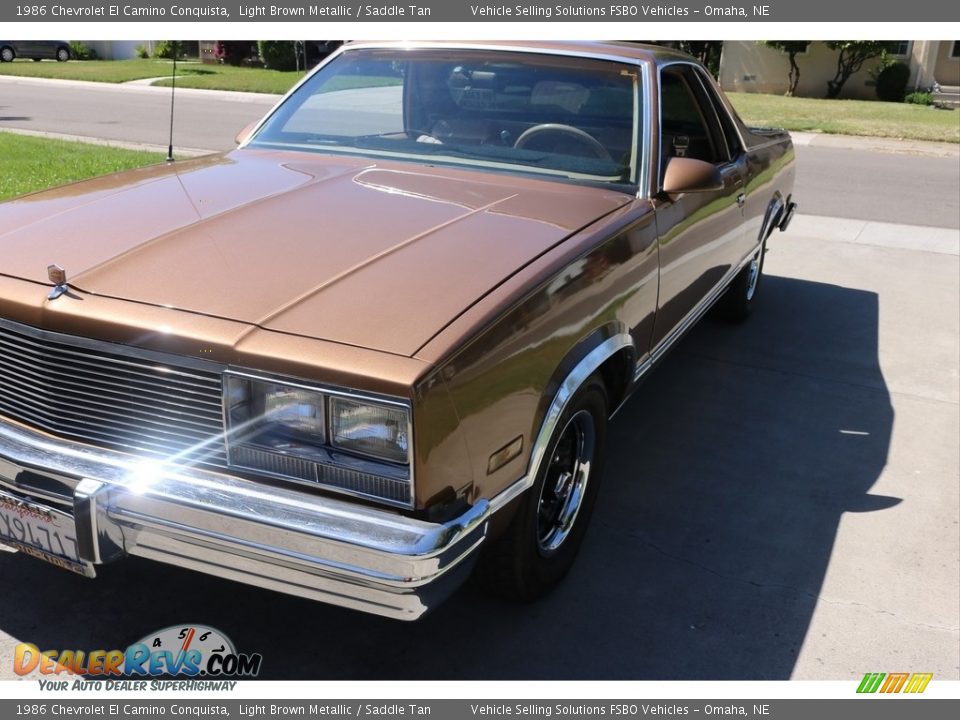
point(561, 116)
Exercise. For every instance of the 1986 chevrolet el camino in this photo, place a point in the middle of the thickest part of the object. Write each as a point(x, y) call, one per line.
point(376, 347)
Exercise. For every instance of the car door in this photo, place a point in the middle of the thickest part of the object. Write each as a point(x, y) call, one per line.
point(701, 234)
point(28, 49)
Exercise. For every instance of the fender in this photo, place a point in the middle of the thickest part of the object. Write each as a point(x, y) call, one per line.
point(586, 367)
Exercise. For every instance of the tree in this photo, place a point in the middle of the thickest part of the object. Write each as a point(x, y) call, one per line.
point(706, 51)
point(792, 48)
point(853, 54)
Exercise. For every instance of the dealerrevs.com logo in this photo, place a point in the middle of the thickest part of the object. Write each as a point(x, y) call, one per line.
point(894, 682)
point(180, 650)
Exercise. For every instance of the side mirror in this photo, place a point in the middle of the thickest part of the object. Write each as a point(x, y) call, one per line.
point(245, 133)
point(685, 175)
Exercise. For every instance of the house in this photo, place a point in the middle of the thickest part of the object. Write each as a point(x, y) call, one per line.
point(752, 67)
point(127, 49)
point(116, 49)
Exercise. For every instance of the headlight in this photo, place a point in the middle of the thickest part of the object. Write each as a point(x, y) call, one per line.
point(369, 429)
point(275, 416)
point(314, 435)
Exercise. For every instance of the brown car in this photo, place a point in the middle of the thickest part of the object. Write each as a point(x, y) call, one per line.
point(376, 347)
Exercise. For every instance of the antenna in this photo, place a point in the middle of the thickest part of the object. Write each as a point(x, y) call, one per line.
point(173, 90)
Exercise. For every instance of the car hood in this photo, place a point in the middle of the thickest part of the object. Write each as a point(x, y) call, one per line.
point(336, 248)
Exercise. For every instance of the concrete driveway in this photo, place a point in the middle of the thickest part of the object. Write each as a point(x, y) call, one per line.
point(781, 502)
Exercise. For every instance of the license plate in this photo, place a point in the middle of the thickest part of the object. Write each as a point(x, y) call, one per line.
point(41, 532)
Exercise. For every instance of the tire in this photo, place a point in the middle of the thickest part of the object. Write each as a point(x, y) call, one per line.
point(741, 295)
point(7, 54)
point(63, 54)
point(541, 543)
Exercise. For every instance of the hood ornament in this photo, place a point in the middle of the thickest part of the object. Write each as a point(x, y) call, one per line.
point(58, 276)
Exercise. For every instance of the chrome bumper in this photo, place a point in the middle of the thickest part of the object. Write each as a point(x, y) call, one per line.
point(320, 548)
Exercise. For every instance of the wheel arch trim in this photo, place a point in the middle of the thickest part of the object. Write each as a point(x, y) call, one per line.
point(771, 219)
point(577, 376)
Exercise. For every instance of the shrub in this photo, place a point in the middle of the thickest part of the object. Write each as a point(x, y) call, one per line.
point(233, 52)
point(919, 98)
point(892, 82)
point(80, 51)
point(142, 52)
point(277, 54)
point(166, 49)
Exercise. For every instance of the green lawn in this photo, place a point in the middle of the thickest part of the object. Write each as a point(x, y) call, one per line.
point(32, 163)
point(849, 117)
point(227, 77)
point(111, 71)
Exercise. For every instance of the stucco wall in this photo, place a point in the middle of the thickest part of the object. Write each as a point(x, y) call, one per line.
point(115, 49)
point(947, 69)
point(752, 67)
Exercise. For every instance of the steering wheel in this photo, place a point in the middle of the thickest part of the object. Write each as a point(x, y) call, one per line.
point(585, 139)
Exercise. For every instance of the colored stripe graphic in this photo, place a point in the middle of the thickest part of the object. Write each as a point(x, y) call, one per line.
point(918, 682)
point(870, 682)
point(894, 682)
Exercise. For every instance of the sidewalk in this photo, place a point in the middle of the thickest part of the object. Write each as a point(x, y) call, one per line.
point(875, 144)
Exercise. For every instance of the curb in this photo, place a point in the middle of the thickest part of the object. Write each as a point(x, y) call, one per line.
point(137, 87)
point(876, 144)
point(179, 152)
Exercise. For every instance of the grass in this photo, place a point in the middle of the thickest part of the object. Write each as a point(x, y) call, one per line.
point(241, 79)
point(109, 71)
point(849, 117)
point(31, 163)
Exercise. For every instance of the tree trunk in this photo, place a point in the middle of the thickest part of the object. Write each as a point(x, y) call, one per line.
point(794, 77)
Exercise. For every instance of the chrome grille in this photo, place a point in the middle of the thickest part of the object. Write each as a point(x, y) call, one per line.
point(107, 395)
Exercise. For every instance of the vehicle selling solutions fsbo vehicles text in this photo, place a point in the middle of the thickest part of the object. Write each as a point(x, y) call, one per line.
point(614, 10)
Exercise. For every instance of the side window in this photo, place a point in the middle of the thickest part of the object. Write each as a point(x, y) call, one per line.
point(726, 123)
point(685, 130)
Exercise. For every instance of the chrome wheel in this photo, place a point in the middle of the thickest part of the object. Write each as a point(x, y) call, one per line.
point(529, 557)
point(6, 54)
point(564, 488)
point(63, 54)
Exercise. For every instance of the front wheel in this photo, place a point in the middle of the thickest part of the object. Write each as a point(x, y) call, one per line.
point(63, 54)
point(542, 541)
point(7, 54)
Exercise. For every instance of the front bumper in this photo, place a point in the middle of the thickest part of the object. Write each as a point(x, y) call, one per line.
point(329, 550)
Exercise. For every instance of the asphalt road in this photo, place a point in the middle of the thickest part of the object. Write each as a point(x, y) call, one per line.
point(129, 113)
point(781, 499)
point(896, 188)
